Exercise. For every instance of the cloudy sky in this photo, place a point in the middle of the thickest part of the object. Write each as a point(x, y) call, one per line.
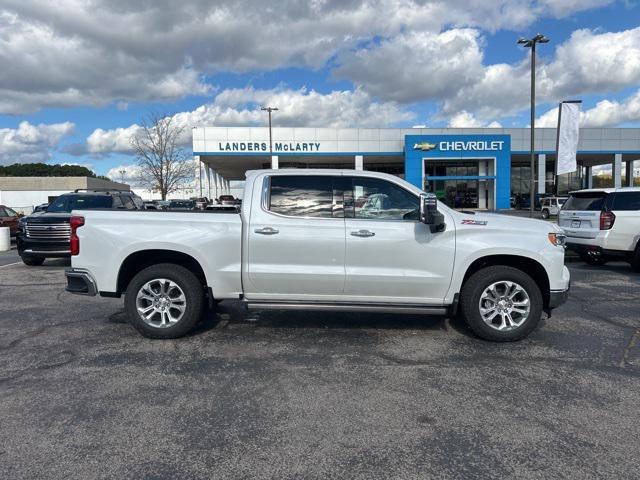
point(77, 76)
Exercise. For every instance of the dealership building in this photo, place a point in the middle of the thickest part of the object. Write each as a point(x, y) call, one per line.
point(481, 168)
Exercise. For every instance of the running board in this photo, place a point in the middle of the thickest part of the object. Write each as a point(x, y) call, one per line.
point(349, 307)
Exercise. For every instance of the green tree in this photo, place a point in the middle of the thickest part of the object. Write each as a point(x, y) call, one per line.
point(44, 170)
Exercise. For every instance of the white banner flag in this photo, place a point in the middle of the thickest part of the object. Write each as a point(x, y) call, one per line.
point(568, 132)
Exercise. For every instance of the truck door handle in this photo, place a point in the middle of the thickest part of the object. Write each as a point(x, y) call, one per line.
point(363, 233)
point(266, 231)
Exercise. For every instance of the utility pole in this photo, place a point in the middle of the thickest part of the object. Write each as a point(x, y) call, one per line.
point(531, 43)
point(270, 109)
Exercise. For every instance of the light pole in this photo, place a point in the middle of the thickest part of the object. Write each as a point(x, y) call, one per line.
point(270, 109)
point(531, 43)
point(122, 172)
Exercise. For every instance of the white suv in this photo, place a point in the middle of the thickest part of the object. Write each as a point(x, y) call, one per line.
point(551, 206)
point(602, 224)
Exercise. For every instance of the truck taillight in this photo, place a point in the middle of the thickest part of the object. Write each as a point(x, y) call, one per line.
point(75, 223)
point(606, 220)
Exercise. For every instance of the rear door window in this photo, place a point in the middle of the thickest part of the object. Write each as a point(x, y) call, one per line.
point(593, 201)
point(302, 196)
point(626, 201)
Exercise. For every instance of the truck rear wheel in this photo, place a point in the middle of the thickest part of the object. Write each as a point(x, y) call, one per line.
point(164, 301)
point(501, 303)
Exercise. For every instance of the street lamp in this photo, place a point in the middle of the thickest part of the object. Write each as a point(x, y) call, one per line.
point(122, 173)
point(531, 43)
point(270, 109)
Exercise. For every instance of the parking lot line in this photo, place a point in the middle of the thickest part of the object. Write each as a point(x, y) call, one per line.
point(9, 264)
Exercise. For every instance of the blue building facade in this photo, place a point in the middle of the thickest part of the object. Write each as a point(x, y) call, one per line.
point(463, 170)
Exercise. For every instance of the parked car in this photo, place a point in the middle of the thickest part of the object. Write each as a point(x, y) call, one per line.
point(176, 205)
point(201, 202)
point(9, 218)
point(222, 208)
point(227, 200)
point(603, 224)
point(301, 242)
point(523, 202)
point(550, 206)
point(155, 205)
point(47, 234)
point(40, 208)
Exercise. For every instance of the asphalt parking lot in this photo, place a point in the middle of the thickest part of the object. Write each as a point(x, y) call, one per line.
point(301, 395)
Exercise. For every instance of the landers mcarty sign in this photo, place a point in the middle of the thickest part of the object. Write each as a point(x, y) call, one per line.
point(264, 146)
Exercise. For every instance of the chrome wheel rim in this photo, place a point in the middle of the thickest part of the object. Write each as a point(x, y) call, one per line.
point(504, 305)
point(161, 303)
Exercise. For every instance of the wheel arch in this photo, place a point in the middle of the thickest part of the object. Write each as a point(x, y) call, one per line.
point(142, 259)
point(531, 267)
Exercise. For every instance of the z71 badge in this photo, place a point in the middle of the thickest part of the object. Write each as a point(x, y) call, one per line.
point(468, 221)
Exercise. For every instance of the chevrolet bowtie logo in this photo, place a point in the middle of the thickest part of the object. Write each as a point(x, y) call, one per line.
point(424, 146)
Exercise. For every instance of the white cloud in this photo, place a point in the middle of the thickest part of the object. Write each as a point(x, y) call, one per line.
point(563, 8)
point(72, 52)
point(116, 140)
point(416, 66)
point(31, 143)
point(125, 173)
point(588, 62)
point(606, 113)
point(465, 119)
point(238, 107)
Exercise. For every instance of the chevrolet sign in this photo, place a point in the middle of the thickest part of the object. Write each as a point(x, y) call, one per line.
point(478, 145)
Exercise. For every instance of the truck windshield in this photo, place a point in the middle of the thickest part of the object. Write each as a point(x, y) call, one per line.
point(67, 203)
point(585, 201)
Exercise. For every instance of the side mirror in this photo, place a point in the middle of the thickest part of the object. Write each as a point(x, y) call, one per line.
point(429, 214)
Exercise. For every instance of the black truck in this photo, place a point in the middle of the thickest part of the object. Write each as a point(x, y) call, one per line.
point(47, 234)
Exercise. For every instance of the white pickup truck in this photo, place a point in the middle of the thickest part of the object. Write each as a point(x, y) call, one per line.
point(323, 239)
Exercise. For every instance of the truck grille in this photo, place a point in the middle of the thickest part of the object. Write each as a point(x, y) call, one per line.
point(48, 231)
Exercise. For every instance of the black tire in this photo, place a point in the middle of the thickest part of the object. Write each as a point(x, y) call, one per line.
point(545, 214)
point(635, 260)
point(33, 261)
point(186, 281)
point(595, 260)
point(473, 290)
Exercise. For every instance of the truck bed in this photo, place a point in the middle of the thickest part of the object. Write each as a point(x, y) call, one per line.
point(212, 239)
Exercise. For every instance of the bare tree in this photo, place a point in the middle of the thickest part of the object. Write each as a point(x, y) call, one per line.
point(164, 164)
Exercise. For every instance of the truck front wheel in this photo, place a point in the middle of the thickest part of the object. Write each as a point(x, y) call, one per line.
point(501, 303)
point(164, 301)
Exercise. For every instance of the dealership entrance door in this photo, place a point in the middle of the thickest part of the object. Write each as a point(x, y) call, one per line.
point(461, 183)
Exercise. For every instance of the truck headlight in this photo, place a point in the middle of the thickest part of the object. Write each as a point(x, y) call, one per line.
point(557, 239)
